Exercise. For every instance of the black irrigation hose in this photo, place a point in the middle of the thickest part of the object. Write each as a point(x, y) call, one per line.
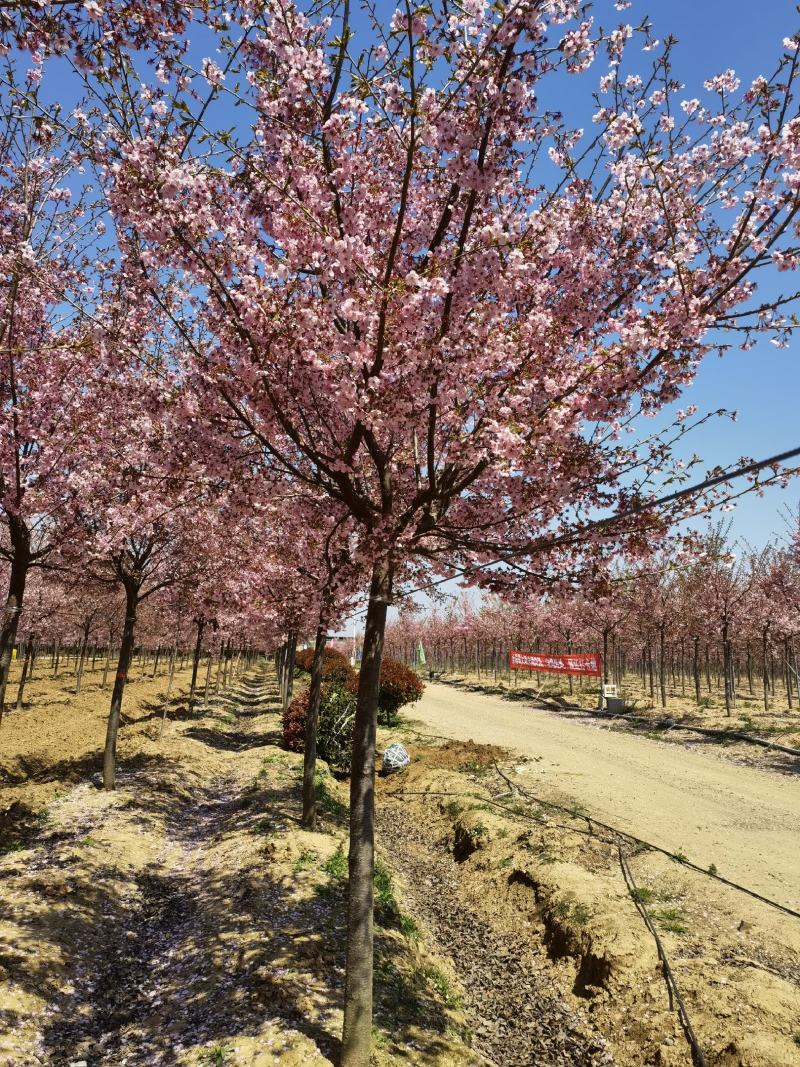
point(709, 732)
point(637, 840)
point(698, 1059)
point(654, 848)
point(673, 992)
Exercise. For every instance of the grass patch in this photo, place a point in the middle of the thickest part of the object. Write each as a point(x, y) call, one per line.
point(541, 851)
point(670, 919)
point(405, 993)
point(327, 803)
point(387, 910)
point(441, 984)
point(581, 915)
point(305, 861)
point(643, 895)
point(336, 865)
point(453, 808)
point(480, 770)
point(218, 1055)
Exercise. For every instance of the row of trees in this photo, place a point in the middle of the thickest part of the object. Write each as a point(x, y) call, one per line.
point(724, 618)
point(342, 307)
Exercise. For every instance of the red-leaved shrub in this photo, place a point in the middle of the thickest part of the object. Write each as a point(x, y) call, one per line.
point(294, 723)
point(337, 713)
point(336, 669)
point(399, 686)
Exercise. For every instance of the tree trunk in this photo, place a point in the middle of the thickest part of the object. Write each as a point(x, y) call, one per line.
point(198, 646)
point(662, 666)
point(765, 665)
point(208, 676)
point(357, 1029)
point(170, 679)
point(172, 656)
point(82, 659)
point(26, 668)
point(13, 610)
point(696, 669)
point(106, 665)
point(788, 666)
point(126, 647)
point(309, 820)
point(218, 676)
point(726, 668)
point(289, 669)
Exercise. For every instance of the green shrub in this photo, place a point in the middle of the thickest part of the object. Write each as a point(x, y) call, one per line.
point(337, 713)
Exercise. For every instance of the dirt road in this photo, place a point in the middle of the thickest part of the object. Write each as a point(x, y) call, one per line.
point(743, 820)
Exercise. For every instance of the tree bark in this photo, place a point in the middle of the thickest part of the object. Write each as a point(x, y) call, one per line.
point(765, 665)
point(82, 658)
point(291, 649)
point(106, 665)
point(208, 676)
point(357, 1030)
point(20, 564)
point(125, 650)
point(169, 689)
point(201, 624)
point(726, 668)
point(309, 819)
point(26, 668)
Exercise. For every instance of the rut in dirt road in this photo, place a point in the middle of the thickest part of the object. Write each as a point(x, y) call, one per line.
point(517, 1018)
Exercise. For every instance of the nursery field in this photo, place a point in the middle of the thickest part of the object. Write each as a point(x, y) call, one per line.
point(186, 919)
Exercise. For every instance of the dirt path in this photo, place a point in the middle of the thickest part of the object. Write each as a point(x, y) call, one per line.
point(145, 926)
point(743, 820)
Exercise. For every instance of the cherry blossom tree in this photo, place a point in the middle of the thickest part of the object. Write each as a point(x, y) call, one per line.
point(47, 373)
point(406, 309)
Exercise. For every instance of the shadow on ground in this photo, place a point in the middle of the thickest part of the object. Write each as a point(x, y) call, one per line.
point(140, 959)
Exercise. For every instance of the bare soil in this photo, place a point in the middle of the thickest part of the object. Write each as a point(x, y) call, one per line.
point(743, 820)
point(550, 880)
point(186, 920)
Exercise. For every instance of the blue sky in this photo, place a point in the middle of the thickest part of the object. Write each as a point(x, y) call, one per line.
point(763, 385)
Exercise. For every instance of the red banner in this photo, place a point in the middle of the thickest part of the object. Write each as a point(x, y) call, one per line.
point(571, 663)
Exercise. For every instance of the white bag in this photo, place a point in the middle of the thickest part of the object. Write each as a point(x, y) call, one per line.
point(395, 758)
